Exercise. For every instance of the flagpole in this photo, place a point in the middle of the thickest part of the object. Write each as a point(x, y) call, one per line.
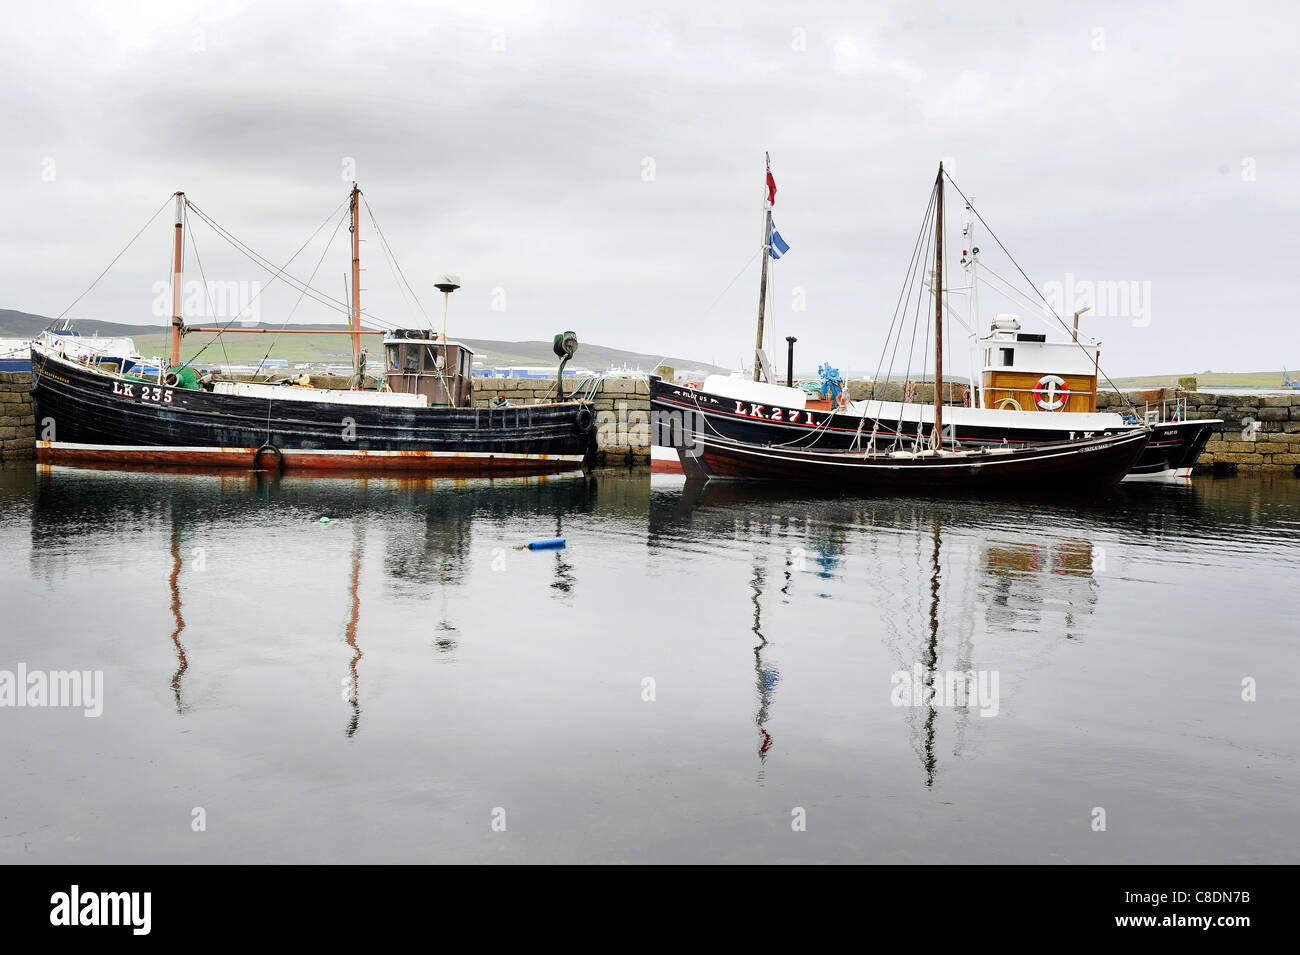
point(762, 287)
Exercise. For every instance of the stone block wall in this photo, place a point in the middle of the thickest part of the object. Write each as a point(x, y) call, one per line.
point(1259, 432)
point(17, 422)
point(622, 408)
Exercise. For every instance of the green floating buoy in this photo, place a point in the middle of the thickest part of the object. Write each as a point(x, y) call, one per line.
point(324, 520)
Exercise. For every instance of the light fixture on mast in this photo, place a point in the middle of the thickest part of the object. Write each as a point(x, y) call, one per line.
point(446, 284)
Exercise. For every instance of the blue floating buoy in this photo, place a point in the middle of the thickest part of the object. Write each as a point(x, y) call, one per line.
point(553, 543)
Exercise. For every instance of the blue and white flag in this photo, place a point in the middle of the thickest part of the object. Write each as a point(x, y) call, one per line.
point(777, 246)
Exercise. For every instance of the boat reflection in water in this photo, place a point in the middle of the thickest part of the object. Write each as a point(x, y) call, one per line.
point(218, 525)
point(948, 587)
point(373, 687)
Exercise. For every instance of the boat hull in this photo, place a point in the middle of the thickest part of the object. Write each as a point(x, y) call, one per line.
point(90, 417)
point(1173, 448)
point(1082, 466)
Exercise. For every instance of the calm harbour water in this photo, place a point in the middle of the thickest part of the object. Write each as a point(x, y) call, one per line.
point(387, 686)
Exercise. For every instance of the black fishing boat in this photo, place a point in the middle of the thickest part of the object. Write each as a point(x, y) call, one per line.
point(1027, 389)
point(677, 409)
point(1082, 464)
point(420, 416)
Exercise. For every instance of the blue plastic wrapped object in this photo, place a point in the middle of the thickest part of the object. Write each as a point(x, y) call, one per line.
point(553, 543)
point(832, 384)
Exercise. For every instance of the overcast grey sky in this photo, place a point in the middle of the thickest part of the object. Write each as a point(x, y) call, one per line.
point(603, 163)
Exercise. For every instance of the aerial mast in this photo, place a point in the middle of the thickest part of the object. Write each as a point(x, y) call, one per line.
point(178, 324)
point(936, 435)
point(354, 319)
point(770, 186)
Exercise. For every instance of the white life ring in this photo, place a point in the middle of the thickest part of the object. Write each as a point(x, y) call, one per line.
point(1051, 393)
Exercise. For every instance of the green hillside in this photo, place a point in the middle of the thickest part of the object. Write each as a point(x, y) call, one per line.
point(15, 324)
point(239, 348)
point(1207, 380)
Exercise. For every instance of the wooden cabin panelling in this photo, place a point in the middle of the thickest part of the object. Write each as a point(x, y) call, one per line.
point(1019, 386)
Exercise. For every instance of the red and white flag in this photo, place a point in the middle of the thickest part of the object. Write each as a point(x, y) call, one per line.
point(771, 186)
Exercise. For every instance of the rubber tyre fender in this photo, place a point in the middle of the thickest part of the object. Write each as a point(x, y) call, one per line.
point(279, 456)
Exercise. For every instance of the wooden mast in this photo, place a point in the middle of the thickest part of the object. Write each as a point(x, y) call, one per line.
point(354, 320)
point(762, 284)
point(936, 435)
point(177, 323)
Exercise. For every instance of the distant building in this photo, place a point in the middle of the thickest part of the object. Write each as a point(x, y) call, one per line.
point(528, 371)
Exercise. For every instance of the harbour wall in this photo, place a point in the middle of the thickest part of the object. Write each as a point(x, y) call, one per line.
point(1259, 432)
point(622, 408)
point(17, 421)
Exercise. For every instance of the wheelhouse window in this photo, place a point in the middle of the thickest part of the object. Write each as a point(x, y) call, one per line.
point(411, 359)
point(431, 360)
point(1008, 357)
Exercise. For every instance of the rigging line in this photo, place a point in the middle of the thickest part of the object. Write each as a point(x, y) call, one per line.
point(206, 291)
point(391, 260)
point(388, 258)
point(916, 321)
point(907, 284)
point(916, 315)
point(899, 307)
point(400, 278)
point(235, 317)
point(301, 295)
point(113, 263)
point(916, 318)
point(1051, 310)
point(1012, 294)
point(280, 272)
point(383, 239)
point(224, 234)
point(947, 317)
point(742, 271)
